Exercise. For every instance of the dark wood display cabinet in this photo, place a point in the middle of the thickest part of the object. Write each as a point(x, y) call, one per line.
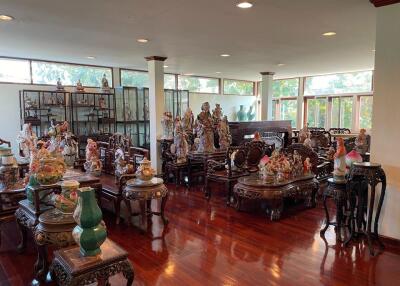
point(39, 107)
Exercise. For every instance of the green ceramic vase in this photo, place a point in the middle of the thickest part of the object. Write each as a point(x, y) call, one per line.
point(90, 233)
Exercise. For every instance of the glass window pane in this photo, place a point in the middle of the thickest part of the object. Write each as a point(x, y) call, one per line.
point(17, 71)
point(365, 115)
point(134, 78)
point(316, 112)
point(339, 83)
point(342, 112)
point(238, 87)
point(169, 81)
point(285, 87)
point(199, 84)
point(48, 73)
point(274, 109)
point(289, 110)
point(335, 112)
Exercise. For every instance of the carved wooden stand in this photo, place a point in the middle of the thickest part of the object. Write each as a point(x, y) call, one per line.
point(69, 268)
point(254, 188)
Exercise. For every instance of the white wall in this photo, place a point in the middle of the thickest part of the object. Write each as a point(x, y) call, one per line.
point(386, 114)
point(229, 103)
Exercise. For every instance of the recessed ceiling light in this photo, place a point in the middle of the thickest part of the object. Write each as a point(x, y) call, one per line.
point(217, 72)
point(244, 5)
point(280, 65)
point(329, 34)
point(6, 18)
point(91, 57)
point(188, 74)
point(143, 40)
point(225, 55)
point(374, 51)
point(165, 66)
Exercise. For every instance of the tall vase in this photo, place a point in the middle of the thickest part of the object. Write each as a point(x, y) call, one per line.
point(250, 114)
point(90, 233)
point(241, 114)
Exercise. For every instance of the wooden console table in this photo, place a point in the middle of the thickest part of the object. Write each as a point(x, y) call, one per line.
point(255, 188)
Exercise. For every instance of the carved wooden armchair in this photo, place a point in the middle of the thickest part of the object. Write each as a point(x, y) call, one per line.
point(339, 131)
point(8, 143)
point(107, 150)
point(244, 162)
point(320, 141)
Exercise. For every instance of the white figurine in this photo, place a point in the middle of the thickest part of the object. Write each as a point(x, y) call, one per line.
point(26, 139)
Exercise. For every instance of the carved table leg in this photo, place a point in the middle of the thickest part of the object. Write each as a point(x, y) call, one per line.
point(128, 206)
point(23, 231)
point(127, 271)
point(41, 266)
point(163, 203)
point(327, 222)
point(207, 191)
point(275, 208)
point(117, 207)
point(143, 212)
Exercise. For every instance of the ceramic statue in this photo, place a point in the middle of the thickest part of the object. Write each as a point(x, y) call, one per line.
point(362, 142)
point(79, 86)
point(26, 139)
point(352, 157)
point(168, 125)
point(205, 110)
point(67, 200)
point(90, 232)
point(144, 172)
point(217, 114)
point(241, 114)
point(339, 167)
point(188, 121)
point(307, 166)
point(59, 87)
point(257, 136)
point(104, 84)
point(304, 133)
point(122, 165)
point(50, 171)
point(180, 147)
point(102, 103)
point(308, 143)
point(224, 134)
point(298, 164)
point(251, 114)
point(93, 164)
point(205, 132)
point(69, 148)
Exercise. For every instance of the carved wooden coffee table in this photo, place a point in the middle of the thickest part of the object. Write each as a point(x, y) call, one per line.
point(70, 268)
point(255, 188)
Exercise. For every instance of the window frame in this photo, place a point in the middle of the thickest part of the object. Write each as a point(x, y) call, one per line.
point(145, 71)
point(231, 79)
point(30, 71)
point(199, 76)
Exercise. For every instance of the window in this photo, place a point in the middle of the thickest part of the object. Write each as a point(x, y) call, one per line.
point(365, 115)
point(169, 81)
point(238, 87)
point(49, 72)
point(342, 112)
point(275, 109)
point(134, 78)
point(285, 87)
point(316, 112)
point(13, 70)
point(199, 84)
point(289, 110)
point(356, 82)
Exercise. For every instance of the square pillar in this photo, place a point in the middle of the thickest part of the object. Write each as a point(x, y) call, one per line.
point(267, 79)
point(156, 107)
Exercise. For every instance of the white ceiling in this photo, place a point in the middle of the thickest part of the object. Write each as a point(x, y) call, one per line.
point(193, 33)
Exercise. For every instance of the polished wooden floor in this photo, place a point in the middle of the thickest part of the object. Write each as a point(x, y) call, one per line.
point(207, 243)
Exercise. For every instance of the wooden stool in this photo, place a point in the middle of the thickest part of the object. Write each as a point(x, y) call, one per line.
point(70, 268)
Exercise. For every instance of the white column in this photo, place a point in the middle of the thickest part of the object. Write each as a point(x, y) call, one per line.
point(156, 107)
point(266, 95)
point(300, 105)
point(116, 77)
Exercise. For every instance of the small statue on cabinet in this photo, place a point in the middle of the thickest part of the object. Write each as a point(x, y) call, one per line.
point(308, 143)
point(122, 165)
point(167, 124)
point(59, 87)
point(93, 164)
point(339, 163)
point(146, 112)
point(127, 113)
point(102, 103)
point(79, 86)
point(26, 139)
point(144, 172)
point(188, 121)
point(217, 114)
point(307, 166)
point(225, 138)
point(205, 131)
point(180, 147)
point(104, 84)
point(362, 142)
point(69, 148)
point(304, 133)
point(297, 164)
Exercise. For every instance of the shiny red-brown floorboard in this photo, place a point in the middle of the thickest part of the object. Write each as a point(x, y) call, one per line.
point(208, 243)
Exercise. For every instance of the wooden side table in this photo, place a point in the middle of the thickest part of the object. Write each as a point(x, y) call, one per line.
point(144, 192)
point(338, 192)
point(70, 268)
point(54, 228)
point(366, 174)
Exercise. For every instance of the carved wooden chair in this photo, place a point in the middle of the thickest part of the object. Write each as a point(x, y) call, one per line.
point(245, 161)
point(320, 141)
point(8, 143)
point(339, 131)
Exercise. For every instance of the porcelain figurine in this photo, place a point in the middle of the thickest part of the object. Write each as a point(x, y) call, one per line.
point(93, 164)
point(90, 232)
point(67, 200)
point(180, 148)
point(102, 103)
point(362, 142)
point(217, 114)
point(26, 139)
point(224, 134)
point(250, 114)
point(304, 134)
point(241, 114)
point(69, 148)
point(330, 154)
point(205, 111)
point(257, 136)
point(104, 84)
point(352, 157)
point(168, 125)
point(144, 172)
point(79, 86)
point(307, 166)
point(298, 166)
point(339, 168)
point(308, 143)
point(188, 121)
point(122, 165)
point(59, 87)
point(50, 171)
point(205, 132)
